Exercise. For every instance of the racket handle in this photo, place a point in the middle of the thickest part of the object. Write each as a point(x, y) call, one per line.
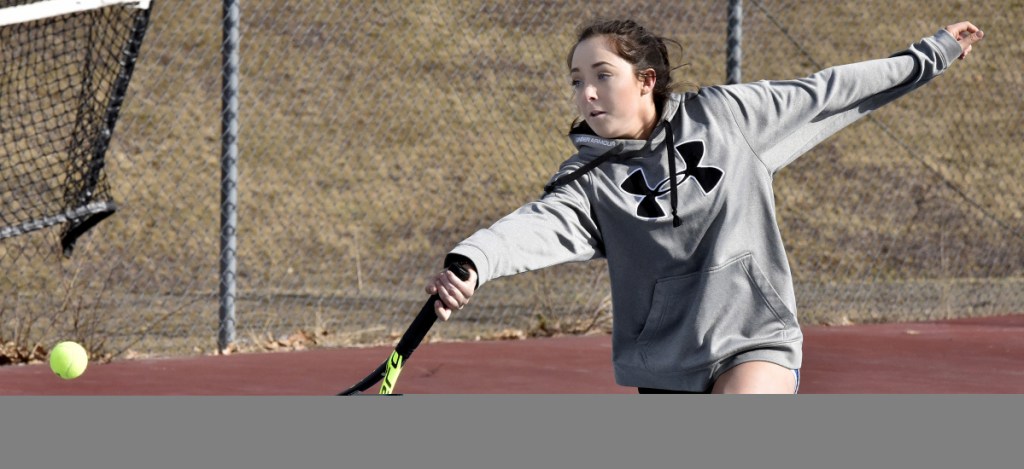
point(425, 319)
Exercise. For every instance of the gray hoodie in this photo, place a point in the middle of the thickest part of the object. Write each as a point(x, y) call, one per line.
point(686, 219)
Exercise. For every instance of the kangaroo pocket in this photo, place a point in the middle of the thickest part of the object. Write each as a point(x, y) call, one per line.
point(698, 319)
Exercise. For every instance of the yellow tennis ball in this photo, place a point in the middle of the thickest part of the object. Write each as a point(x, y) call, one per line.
point(68, 360)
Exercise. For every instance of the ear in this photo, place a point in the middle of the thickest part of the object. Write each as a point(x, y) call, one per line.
point(647, 78)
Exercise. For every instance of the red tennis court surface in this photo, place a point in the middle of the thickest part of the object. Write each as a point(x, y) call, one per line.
point(983, 355)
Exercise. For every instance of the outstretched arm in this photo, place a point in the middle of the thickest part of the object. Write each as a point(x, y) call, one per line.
point(783, 119)
point(557, 228)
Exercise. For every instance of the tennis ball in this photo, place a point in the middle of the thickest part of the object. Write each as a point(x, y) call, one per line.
point(68, 360)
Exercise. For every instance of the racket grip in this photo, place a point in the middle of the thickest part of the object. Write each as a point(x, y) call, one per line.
point(425, 319)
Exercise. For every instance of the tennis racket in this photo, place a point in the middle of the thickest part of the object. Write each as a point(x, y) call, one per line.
point(389, 370)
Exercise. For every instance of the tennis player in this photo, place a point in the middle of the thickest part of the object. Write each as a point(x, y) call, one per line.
point(675, 191)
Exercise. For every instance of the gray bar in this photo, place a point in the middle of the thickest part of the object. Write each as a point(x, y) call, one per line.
point(229, 177)
point(734, 49)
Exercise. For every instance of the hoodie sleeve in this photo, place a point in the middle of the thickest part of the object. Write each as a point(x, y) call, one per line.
point(783, 119)
point(557, 228)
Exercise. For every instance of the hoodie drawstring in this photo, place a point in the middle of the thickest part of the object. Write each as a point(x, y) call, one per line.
point(670, 140)
point(670, 150)
point(579, 172)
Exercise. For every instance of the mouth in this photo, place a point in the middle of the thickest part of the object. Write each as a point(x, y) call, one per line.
point(596, 113)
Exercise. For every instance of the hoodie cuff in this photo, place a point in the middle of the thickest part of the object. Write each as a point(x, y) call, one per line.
point(948, 47)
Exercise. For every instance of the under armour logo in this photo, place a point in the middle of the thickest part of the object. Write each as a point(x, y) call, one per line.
point(707, 178)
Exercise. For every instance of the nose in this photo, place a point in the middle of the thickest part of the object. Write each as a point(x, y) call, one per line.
point(589, 92)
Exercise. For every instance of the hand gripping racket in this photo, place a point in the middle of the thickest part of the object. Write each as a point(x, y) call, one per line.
point(389, 370)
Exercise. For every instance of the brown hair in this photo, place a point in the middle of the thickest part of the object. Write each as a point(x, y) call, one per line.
point(636, 45)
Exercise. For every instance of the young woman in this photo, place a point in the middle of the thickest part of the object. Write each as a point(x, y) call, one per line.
point(675, 191)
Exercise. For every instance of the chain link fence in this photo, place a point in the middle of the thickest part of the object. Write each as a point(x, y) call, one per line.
point(373, 136)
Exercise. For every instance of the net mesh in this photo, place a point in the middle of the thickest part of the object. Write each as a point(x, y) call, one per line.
point(61, 88)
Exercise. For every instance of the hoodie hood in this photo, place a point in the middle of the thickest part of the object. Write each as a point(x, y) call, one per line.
point(590, 145)
point(594, 150)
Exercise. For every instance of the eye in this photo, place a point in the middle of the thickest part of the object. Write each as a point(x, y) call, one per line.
point(575, 84)
point(604, 76)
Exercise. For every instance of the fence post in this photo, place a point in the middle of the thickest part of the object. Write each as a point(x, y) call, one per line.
point(734, 49)
point(229, 176)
